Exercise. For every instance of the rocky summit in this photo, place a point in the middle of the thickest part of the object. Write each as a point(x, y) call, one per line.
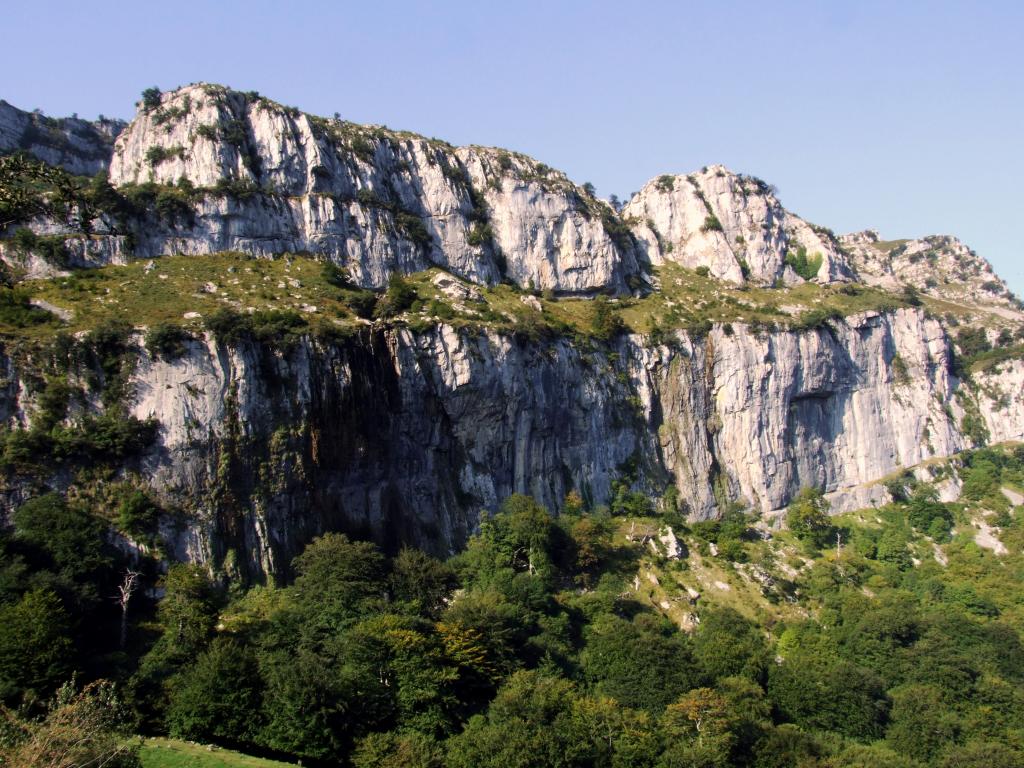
point(278, 325)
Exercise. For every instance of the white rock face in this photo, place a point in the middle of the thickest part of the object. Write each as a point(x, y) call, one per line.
point(408, 436)
point(373, 200)
point(733, 225)
point(938, 265)
point(80, 146)
point(1001, 400)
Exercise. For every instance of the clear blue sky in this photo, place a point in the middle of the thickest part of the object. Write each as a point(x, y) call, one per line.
point(903, 116)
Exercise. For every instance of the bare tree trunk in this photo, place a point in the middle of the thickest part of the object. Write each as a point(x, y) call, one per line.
point(127, 588)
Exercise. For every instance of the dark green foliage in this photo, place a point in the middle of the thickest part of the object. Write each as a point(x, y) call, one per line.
point(35, 650)
point(414, 229)
point(334, 275)
point(338, 579)
point(17, 312)
point(52, 248)
point(399, 297)
point(807, 517)
point(277, 326)
point(151, 98)
point(66, 535)
point(138, 515)
point(421, 582)
point(157, 154)
point(805, 266)
point(829, 694)
point(362, 303)
point(726, 645)
point(616, 228)
point(606, 324)
point(642, 664)
point(479, 235)
point(711, 224)
point(819, 317)
point(666, 183)
point(218, 698)
point(167, 340)
point(973, 341)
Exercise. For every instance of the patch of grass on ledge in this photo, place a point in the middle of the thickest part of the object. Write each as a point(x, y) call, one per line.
point(183, 290)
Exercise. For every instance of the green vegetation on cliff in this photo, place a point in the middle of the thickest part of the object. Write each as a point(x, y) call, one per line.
point(889, 637)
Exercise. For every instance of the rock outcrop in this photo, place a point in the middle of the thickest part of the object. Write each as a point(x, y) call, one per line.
point(732, 225)
point(375, 201)
point(938, 265)
point(81, 147)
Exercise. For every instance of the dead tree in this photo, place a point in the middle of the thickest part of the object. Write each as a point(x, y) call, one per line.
point(126, 590)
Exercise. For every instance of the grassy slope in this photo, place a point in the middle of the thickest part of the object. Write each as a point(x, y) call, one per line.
point(176, 285)
point(171, 753)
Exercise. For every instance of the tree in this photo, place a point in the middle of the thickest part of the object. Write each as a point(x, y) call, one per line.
point(807, 517)
point(520, 538)
point(697, 727)
point(826, 693)
point(529, 723)
point(399, 297)
point(151, 98)
point(35, 648)
point(398, 750)
point(592, 542)
point(605, 323)
point(921, 723)
point(727, 644)
point(218, 698)
point(338, 580)
point(188, 611)
point(69, 542)
point(643, 664)
point(422, 582)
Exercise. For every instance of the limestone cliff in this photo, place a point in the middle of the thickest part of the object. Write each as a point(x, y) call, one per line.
point(371, 199)
point(939, 265)
point(407, 436)
point(732, 225)
point(408, 428)
point(82, 147)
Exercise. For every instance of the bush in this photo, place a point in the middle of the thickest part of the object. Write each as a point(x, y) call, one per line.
point(362, 303)
point(414, 229)
point(972, 341)
point(805, 266)
point(479, 235)
point(137, 515)
point(151, 98)
point(808, 519)
point(17, 312)
point(399, 297)
point(157, 154)
point(228, 326)
point(711, 224)
point(605, 323)
point(167, 340)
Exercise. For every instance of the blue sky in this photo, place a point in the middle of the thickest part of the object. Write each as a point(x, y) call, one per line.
point(903, 116)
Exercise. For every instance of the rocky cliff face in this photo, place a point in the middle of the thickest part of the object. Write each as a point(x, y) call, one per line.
point(939, 265)
point(81, 147)
point(407, 437)
point(732, 225)
point(373, 200)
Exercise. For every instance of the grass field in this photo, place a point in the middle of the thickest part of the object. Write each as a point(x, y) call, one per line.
point(171, 753)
